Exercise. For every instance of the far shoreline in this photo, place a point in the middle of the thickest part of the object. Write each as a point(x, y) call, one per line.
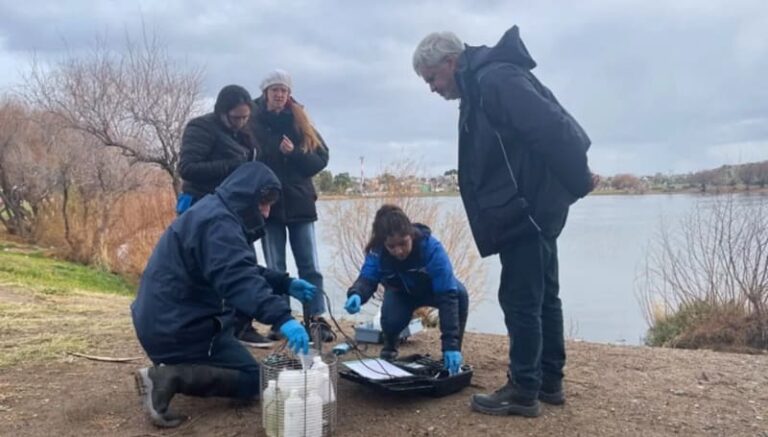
point(713, 192)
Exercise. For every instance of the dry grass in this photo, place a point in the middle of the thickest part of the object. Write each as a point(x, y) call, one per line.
point(37, 326)
point(134, 223)
point(142, 219)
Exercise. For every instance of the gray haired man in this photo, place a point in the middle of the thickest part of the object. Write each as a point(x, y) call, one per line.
point(522, 163)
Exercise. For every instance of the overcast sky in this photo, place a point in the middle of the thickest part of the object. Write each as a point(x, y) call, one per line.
point(660, 86)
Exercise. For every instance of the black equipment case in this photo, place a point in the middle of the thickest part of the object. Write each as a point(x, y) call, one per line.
point(429, 378)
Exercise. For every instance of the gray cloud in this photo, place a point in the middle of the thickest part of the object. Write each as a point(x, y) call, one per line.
point(658, 87)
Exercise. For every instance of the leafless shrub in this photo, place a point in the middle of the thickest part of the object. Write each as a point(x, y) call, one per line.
point(352, 219)
point(136, 101)
point(90, 181)
point(714, 266)
point(26, 180)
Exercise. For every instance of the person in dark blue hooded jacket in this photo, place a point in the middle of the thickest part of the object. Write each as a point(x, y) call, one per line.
point(522, 163)
point(202, 269)
point(415, 271)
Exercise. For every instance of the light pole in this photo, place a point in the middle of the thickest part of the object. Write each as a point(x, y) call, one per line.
point(362, 174)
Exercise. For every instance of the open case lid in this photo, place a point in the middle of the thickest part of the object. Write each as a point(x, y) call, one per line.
point(427, 377)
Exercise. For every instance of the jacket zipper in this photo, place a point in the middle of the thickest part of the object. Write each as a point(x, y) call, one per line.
point(509, 166)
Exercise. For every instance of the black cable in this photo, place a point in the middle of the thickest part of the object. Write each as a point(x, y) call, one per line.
point(353, 343)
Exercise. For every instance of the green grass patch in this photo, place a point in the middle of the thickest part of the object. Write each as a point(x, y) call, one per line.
point(31, 268)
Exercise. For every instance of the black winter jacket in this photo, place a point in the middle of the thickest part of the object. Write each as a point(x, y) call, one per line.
point(202, 267)
point(210, 151)
point(295, 170)
point(522, 157)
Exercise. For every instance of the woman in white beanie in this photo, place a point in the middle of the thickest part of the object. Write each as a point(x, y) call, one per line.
point(294, 150)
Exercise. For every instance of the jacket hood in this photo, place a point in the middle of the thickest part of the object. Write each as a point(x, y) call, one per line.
point(423, 230)
point(242, 190)
point(509, 49)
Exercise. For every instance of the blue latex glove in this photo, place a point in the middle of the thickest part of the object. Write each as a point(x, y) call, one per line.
point(353, 304)
point(302, 290)
point(297, 337)
point(184, 202)
point(452, 361)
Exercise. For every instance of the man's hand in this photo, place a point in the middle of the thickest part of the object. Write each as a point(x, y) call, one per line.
point(353, 304)
point(302, 290)
point(298, 340)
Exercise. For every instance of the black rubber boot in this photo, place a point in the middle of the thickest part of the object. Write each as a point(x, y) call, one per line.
point(389, 350)
point(156, 388)
point(506, 401)
point(207, 381)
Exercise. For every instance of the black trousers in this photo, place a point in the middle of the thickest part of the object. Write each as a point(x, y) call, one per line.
point(529, 298)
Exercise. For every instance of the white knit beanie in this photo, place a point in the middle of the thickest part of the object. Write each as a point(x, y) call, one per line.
point(277, 77)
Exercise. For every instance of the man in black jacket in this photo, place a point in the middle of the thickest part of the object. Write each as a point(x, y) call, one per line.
point(202, 269)
point(522, 163)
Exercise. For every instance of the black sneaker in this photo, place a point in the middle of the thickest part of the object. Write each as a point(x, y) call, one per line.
point(554, 397)
point(388, 354)
point(389, 350)
point(323, 329)
point(274, 334)
point(506, 401)
point(251, 337)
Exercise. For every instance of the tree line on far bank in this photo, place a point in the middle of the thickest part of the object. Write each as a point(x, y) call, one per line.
point(726, 178)
point(748, 176)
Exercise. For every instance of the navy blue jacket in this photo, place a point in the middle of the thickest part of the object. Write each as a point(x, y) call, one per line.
point(427, 270)
point(203, 266)
point(522, 156)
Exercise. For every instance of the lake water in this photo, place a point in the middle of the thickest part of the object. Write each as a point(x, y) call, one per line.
point(601, 251)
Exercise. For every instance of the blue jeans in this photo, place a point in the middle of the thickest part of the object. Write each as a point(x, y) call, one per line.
point(533, 314)
point(397, 310)
point(304, 248)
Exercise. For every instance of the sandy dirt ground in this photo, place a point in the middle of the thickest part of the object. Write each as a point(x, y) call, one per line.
point(611, 391)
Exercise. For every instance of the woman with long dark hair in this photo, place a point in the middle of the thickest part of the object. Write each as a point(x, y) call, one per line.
point(415, 271)
point(213, 146)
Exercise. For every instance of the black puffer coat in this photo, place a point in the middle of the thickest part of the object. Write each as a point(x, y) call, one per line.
point(295, 170)
point(210, 152)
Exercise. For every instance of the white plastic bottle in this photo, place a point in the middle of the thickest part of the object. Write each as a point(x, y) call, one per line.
point(290, 380)
point(269, 409)
point(324, 386)
point(314, 424)
point(293, 417)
